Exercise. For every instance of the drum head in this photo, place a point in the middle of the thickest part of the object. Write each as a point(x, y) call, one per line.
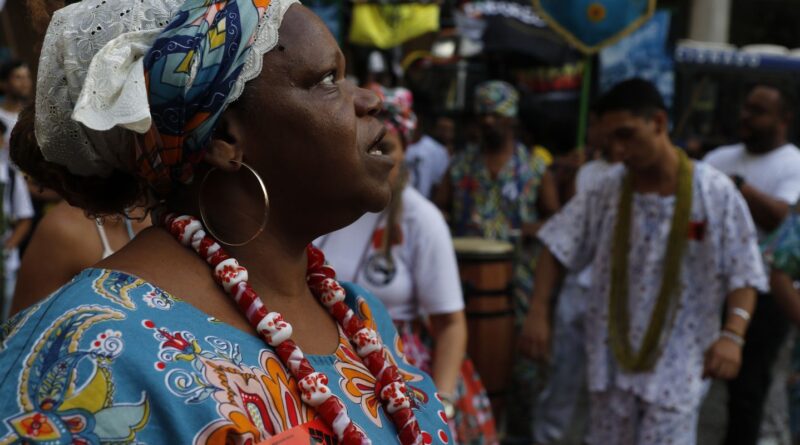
point(480, 248)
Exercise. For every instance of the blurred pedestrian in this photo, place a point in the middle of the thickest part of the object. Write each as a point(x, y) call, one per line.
point(499, 190)
point(427, 159)
point(669, 240)
point(15, 222)
point(766, 169)
point(16, 86)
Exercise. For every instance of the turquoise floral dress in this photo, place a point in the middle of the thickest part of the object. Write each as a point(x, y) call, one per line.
point(111, 358)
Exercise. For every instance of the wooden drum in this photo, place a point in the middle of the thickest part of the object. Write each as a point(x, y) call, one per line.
point(486, 269)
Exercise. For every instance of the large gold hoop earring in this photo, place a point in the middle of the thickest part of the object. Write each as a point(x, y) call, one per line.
point(202, 206)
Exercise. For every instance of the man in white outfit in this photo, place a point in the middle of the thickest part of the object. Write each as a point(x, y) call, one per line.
point(670, 241)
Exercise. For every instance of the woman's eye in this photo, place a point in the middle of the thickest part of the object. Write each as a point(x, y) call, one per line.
point(330, 79)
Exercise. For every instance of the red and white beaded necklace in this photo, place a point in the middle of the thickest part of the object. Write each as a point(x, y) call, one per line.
point(276, 332)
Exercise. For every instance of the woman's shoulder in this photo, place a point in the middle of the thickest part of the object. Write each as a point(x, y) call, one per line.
point(69, 229)
point(67, 218)
point(79, 358)
point(93, 296)
point(108, 351)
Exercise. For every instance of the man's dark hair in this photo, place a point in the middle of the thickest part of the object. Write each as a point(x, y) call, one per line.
point(786, 95)
point(8, 67)
point(636, 96)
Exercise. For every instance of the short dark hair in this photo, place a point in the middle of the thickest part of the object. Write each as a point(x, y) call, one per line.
point(786, 95)
point(637, 96)
point(8, 67)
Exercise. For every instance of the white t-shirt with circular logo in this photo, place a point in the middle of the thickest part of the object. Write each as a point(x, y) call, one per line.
point(423, 279)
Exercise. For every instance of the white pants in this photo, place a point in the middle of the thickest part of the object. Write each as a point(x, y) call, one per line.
point(621, 418)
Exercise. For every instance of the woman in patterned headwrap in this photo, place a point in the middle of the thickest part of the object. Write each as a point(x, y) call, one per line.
point(404, 256)
point(232, 121)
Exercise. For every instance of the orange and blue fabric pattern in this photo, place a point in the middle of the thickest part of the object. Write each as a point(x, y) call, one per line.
point(190, 72)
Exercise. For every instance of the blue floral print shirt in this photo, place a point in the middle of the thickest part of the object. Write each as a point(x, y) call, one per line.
point(110, 358)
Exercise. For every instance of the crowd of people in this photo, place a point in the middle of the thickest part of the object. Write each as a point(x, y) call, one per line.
point(142, 249)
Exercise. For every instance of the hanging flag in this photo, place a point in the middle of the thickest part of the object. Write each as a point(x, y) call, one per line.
point(590, 25)
point(386, 25)
point(642, 54)
point(512, 26)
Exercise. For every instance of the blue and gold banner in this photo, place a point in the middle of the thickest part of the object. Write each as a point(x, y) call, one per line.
point(590, 25)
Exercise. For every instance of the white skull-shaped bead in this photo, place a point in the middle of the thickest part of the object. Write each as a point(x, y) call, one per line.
point(314, 389)
point(394, 397)
point(366, 341)
point(274, 329)
point(229, 273)
point(331, 292)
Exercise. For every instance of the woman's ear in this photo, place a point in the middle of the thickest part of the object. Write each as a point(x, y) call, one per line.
point(225, 150)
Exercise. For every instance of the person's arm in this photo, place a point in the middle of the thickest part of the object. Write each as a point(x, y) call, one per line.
point(536, 332)
point(449, 333)
point(20, 231)
point(437, 290)
point(767, 212)
point(782, 288)
point(546, 205)
point(569, 241)
point(724, 357)
point(443, 196)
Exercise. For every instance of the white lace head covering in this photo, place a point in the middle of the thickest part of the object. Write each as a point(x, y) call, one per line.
point(92, 93)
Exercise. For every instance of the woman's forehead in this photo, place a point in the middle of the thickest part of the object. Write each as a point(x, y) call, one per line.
point(303, 34)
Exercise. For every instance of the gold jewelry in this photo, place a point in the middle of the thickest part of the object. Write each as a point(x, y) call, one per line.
point(205, 220)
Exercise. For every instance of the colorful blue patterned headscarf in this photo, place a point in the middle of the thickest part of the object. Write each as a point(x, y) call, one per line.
point(196, 67)
point(496, 96)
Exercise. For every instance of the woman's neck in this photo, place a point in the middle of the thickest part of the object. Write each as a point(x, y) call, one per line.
point(275, 263)
point(276, 258)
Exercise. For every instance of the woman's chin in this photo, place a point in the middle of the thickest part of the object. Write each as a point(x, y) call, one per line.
point(379, 198)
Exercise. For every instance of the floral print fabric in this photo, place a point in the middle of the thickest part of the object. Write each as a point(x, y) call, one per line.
point(473, 423)
point(497, 208)
point(112, 359)
point(782, 248)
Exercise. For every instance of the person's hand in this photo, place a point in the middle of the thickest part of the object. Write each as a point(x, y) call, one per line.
point(723, 359)
point(534, 340)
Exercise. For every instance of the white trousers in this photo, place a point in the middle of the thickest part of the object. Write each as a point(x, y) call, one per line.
point(622, 418)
